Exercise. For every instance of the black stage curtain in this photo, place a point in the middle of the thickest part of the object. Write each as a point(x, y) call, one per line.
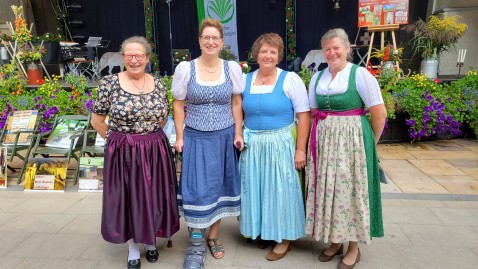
point(116, 20)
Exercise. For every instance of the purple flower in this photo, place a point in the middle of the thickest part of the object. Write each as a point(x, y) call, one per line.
point(410, 122)
point(88, 104)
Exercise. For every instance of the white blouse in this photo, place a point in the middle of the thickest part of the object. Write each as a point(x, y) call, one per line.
point(294, 89)
point(366, 83)
point(182, 72)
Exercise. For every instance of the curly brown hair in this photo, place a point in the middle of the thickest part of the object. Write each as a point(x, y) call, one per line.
point(272, 39)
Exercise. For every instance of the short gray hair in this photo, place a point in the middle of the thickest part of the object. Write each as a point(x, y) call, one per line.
point(137, 39)
point(340, 33)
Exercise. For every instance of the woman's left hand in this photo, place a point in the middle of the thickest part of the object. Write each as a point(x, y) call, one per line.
point(300, 159)
point(239, 142)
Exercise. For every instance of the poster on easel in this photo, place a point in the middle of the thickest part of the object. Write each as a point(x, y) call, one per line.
point(90, 174)
point(46, 174)
point(3, 167)
point(382, 12)
point(23, 120)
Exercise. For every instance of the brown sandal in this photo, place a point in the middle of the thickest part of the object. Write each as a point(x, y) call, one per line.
point(215, 248)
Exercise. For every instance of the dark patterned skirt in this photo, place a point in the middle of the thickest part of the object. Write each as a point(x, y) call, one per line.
point(139, 191)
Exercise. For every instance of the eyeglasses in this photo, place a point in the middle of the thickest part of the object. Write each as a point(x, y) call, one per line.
point(213, 38)
point(129, 57)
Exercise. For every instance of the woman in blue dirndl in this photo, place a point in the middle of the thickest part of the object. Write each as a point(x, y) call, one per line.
point(209, 187)
point(272, 206)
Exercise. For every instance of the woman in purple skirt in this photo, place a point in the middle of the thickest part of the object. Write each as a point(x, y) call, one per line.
point(139, 190)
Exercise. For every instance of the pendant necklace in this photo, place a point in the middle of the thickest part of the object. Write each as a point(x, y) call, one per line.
point(205, 68)
point(140, 90)
point(264, 81)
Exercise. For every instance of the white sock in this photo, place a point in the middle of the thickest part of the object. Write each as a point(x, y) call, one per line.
point(133, 250)
point(149, 247)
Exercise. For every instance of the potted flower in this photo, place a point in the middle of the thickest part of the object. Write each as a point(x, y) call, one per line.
point(30, 55)
point(433, 37)
point(388, 56)
point(180, 55)
point(51, 43)
point(432, 108)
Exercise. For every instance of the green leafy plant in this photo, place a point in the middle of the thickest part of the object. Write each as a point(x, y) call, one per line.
point(168, 81)
point(227, 55)
point(388, 53)
point(181, 55)
point(246, 68)
point(28, 53)
point(306, 74)
point(47, 37)
point(435, 36)
point(467, 90)
point(50, 99)
point(432, 107)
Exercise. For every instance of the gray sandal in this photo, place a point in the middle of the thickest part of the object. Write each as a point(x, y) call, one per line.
point(195, 254)
point(215, 248)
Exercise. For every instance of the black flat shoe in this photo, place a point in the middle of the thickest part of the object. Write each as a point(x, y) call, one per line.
point(152, 255)
point(134, 264)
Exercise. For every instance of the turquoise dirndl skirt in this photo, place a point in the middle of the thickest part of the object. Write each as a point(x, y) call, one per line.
point(271, 197)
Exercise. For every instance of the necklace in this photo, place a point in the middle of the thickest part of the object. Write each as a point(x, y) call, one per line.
point(206, 68)
point(264, 81)
point(140, 90)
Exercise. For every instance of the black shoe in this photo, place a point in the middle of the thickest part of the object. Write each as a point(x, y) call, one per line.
point(152, 255)
point(134, 264)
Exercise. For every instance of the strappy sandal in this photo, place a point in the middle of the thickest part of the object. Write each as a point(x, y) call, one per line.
point(195, 254)
point(215, 248)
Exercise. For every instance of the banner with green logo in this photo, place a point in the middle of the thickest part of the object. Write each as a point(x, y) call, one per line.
point(225, 12)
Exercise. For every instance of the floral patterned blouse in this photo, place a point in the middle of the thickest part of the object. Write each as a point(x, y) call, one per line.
point(131, 113)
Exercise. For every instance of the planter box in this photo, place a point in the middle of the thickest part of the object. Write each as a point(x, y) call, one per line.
point(397, 130)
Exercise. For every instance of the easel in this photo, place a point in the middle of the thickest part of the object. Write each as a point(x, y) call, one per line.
point(382, 29)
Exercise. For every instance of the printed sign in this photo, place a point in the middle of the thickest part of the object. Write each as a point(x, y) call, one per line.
point(90, 174)
point(382, 12)
point(23, 120)
point(46, 174)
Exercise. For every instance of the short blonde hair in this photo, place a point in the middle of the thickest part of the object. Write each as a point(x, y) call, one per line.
point(340, 33)
point(210, 22)
point(137, 39)
point(271, 39)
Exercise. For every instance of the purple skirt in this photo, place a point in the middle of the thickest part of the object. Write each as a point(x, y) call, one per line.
point(139, 188)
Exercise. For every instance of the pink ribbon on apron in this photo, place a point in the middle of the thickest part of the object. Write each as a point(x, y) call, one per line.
point(320, 115)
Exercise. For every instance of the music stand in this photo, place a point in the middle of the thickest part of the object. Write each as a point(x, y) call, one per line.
point(96, 42)
point(93, 41)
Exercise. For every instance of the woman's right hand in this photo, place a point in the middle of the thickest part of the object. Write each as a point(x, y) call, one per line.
point(179, 145)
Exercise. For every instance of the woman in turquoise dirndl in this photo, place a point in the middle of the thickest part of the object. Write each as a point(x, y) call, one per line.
point(343, 201)
point(272, 206)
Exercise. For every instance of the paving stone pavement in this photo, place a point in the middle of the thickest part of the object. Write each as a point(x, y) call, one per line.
point(430, 211)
